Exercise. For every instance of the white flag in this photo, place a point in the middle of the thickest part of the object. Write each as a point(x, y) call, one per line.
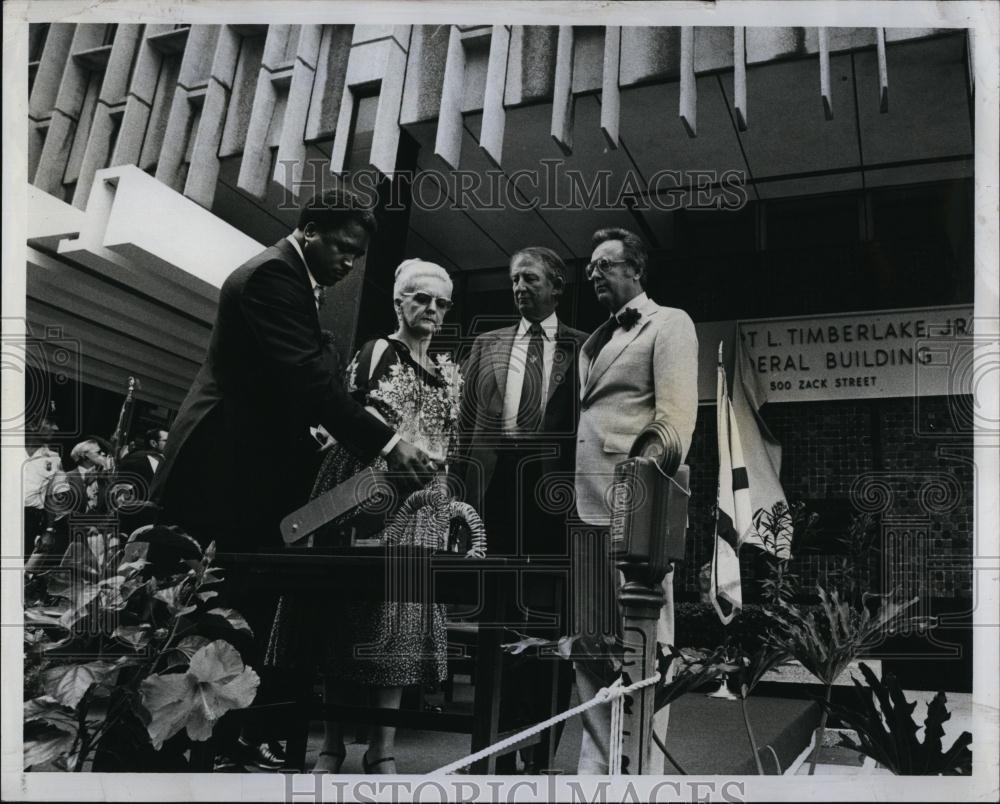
point(734, 520)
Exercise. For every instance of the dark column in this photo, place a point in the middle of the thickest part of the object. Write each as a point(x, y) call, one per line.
point(368, 288)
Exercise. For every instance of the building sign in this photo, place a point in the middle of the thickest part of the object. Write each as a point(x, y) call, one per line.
point(888, 353)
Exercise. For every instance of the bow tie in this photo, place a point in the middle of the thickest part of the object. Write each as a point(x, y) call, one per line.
point(628, 318)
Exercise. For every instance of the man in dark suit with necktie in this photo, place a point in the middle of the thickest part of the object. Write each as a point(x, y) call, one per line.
point(240, 456)
point(519, 415)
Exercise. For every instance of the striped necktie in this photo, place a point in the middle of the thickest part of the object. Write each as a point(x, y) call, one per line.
point(529, 409)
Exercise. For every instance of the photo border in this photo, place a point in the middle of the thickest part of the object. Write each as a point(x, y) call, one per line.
point(981, 17)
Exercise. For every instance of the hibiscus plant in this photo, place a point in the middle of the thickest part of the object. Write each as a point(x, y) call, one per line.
point(125, 651)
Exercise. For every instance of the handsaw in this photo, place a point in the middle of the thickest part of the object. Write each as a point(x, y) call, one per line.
point(365, 489)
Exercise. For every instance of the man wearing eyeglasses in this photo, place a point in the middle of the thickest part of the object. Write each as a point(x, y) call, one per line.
point(640, 366)
point(240, 456)
point(519, 412)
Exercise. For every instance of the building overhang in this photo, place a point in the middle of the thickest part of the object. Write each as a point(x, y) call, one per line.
point(133, 280)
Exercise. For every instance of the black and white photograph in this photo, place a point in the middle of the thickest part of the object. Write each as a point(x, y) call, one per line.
point(577, 401)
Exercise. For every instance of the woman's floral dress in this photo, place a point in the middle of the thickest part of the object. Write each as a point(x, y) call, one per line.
point(395, 643)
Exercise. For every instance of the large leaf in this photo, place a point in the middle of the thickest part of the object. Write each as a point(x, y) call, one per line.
point(135, 636)
point(751, 668)
point(234, 618)
point(692, 668)
point(826, 641)
point(68, 683)
point(48, 708)
point(215, 682)
point(105, 551)
point(515, 648)
point(45, 616)
point(44, 742)
point(164, 546)
point(81, 600)
point(888, 733)
point(129, 568)
point(177, 599)
point(79, 562)
point(212, 576)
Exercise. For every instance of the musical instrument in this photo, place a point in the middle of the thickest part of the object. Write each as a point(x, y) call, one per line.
point(120, 434)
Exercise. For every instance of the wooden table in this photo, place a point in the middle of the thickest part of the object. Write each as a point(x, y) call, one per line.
point(487, 585)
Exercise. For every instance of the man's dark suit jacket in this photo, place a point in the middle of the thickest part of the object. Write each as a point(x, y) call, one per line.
point(240, 457)
point(483, 440)
point(136, 466)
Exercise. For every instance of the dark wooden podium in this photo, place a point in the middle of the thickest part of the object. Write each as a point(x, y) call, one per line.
point(487, 588)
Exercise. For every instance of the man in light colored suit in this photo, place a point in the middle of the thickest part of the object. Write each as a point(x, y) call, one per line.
point(638, 367)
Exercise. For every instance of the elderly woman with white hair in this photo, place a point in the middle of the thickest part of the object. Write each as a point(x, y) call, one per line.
point(386, 646)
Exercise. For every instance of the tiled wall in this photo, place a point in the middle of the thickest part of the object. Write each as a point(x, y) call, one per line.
point(908, 461)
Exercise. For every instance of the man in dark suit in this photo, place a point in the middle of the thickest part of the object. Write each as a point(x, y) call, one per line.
point(240, 456)
point(519, 414)
point(139, 465)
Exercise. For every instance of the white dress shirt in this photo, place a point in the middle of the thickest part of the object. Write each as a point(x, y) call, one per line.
point(635, 301)
point(317, 289)
point(515, 368)
point(37, 473)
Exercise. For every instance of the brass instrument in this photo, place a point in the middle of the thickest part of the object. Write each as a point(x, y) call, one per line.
point(120, 434)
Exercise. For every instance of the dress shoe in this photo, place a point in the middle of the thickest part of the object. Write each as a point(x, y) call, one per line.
point(266, 756)
point(227, 763)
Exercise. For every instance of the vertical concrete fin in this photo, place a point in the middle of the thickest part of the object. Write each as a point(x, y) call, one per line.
point(203, 172)
point(175, 137)
point(824, 73)
point(385, 137)
point(883, 71)
point(114, 85)
point(291, 144)
point(494, 116)
point(255, 164)
point(689, 85)
point(562, 91)
point(448, 142)
point(610, 94)
point(740, 77)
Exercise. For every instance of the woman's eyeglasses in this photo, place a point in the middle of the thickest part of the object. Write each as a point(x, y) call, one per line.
point(425, 299)
point(602, 266)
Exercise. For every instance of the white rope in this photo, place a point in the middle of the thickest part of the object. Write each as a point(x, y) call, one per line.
point(603, 696)
point(615, 747)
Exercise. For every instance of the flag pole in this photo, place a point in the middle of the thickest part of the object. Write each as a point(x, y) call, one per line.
point(715, 528)
point(720, 399)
